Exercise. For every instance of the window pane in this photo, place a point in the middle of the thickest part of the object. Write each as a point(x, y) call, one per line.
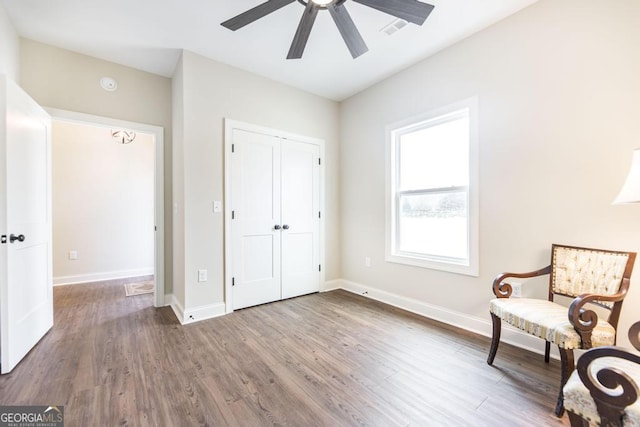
point(434, 224)
point(436, 156)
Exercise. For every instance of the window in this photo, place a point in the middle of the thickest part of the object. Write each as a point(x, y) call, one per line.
point(432, 201)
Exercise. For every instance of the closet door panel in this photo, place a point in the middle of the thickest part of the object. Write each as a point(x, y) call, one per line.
point(300, 207)
point(256, 204)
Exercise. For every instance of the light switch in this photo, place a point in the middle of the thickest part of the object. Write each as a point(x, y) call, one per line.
point(73, 255)
point(217, 206)
point(202, 275)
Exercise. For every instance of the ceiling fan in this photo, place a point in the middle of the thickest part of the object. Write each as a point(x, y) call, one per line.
point(413, 11)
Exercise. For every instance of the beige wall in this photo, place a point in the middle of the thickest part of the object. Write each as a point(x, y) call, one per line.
point(178, 113)
point(103, 204)
point(61, 79)
point(559, 96)
point(9, 47)
point(211, 92)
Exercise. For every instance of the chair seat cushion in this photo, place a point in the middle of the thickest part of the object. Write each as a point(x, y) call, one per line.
point(578, 400)
point(549, 321)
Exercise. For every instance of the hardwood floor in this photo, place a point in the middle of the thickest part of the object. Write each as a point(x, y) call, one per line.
point(331, 359)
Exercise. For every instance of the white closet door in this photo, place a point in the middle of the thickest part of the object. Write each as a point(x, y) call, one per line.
point(300, 175)
point(255, 182)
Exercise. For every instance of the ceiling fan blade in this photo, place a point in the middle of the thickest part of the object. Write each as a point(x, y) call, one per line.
point(348, 30)
point(304, 29)
point(254, 14)
point(413, 11)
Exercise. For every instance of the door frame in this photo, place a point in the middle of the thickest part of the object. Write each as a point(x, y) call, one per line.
point(229, 126)
point(158, 136)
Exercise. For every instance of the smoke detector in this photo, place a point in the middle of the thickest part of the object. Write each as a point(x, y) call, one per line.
point(109, 84)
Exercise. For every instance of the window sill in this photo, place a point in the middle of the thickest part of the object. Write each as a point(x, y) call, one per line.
point(450, 267)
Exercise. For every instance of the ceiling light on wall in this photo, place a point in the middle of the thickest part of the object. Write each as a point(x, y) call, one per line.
point(109, 84)
point(123, 136)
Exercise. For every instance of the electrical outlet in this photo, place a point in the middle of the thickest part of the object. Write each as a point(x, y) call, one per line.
point(73, 255)
point(202, 275)
point(367, 261)
point(516, 289)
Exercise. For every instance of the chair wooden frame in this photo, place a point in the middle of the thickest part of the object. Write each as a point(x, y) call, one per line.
point(583, 319)
point(604, 385)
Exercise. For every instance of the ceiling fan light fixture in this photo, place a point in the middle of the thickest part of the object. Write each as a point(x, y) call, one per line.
point(123, 136)
point(322, 2)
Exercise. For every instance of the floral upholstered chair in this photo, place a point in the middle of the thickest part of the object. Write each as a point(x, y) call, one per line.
point(591, 277)
point(603, 389)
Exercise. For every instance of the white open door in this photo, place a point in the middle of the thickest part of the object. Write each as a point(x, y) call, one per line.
point(26, 290)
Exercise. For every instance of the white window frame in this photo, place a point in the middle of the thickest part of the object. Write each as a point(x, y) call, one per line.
point(393, 133)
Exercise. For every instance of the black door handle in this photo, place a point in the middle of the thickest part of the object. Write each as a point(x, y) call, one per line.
point(285, 227)
point(276, 227)
point(13, 238)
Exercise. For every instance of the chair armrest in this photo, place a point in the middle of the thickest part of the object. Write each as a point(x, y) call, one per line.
point(503, 290)
point(583, 320)
point(604, 385)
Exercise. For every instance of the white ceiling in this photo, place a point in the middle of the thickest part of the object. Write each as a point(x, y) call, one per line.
point(149, 34)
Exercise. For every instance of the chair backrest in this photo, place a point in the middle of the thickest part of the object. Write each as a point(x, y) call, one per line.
point(576, 271)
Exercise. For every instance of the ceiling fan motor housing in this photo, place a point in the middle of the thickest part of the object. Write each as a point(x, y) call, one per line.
point(322, 6)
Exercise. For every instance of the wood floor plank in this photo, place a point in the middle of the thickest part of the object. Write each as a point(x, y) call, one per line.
point(331, 359)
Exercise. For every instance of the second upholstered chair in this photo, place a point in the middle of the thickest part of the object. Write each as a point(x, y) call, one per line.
point(603, 389)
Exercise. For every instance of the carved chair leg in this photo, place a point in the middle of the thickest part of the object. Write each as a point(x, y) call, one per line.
point(567, 365)
point(495, 338)
point(577, 420)
point(547, 350)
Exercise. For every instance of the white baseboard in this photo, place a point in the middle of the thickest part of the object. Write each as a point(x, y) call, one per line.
point(168, 300)
point(332, 285)
point(99, 277)
point(470, 323)
point(175, 305)
point(194, 314)
point(204, 312)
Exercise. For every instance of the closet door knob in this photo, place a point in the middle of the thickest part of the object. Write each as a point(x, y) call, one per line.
point(276, 227)
point(285, 227)
point(20, 238)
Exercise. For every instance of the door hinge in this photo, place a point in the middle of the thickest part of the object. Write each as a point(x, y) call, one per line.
point(319, 214)
point(233, 148)
point(319, 161)
point(155, 228)
point(3, 239)
point(233, 281)
point(319, 267)
point(233, 214)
